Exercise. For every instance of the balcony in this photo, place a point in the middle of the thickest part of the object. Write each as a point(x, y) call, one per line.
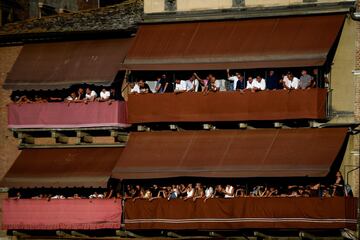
point(75, 124)
point(228, 106)
point(77, 214)
point(64, 115)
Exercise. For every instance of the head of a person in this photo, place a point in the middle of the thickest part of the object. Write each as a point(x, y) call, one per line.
point(177, 81)
point(303, 72)
point(258, 78)
point(103, 90)
point(88, 90)
point(189, 185)
point(338, 174)
point(212, 79)
point(73, 95)
point(250, 79)
point(163, 76)
point(271, 73)
point(209, 77)
point(80, 90)
point(315, 71)
point(290, 76)
point(141, 83)
point(238, 75)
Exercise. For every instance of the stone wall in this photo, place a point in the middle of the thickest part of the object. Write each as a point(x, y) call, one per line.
point(8, 144)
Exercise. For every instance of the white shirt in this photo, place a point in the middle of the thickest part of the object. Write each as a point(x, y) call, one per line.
point(93, 94)
point(259, 85)
point(105, 95)
point(234, 79)
point(249, 85)
point(229, 192)
point(180, 86)
point(135, 89)
point(292, 84)
point(190, 85)
point(209, 192)
point(190, 193)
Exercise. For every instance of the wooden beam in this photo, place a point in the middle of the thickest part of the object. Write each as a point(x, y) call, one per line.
point(69, 140)
point(99, 140)
point(39, 140)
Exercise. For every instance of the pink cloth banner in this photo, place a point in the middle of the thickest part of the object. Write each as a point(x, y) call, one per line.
point(73, 214)
point(64, 115)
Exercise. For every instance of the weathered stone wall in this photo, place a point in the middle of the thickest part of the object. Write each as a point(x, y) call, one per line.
point(8, 144)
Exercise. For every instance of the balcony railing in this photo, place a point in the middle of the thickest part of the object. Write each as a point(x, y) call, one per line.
point(64, 115)
point(228, 106)
point(62, 214)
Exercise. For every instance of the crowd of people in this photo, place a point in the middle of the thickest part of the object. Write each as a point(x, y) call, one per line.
point(204, 192)
point(81, 94)
point(236, 82)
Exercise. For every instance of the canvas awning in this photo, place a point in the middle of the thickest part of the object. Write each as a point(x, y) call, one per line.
point(230, 153)
point(297, 41)
point(58, 65)
point(62, 167)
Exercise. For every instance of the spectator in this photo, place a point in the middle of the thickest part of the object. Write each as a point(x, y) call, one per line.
point(306, 81)
point(240, 84)
point(259, 84)
point(272, 82)
point(338, 186)
point(291, 82)
point(164, 85)
point(189, 192)
point(229, 191)
point(180, 86)
point(192, 85)
point(71, 98)
point(219, 192)
point(80, 94)
point(114, 95)
point(104, 95)
point(233, 79)
point(209, 193)
point(213, 85)
point(249, 83)
point(199, 191)
point(134, 88)
point(90, 95)
point(144, 87)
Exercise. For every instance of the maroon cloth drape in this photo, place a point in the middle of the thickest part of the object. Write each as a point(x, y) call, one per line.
point(276, 213)
point(227, 106)
point(63, 115)
point(61, 214)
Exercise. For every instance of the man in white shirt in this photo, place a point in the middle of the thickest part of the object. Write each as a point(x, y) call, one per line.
point(192, 84)
point(180, 86)
point(90, 95)
point(291, 82)
point(233, 79)
point(134, 88)
point(249, 83)
point(104, 95)
point(259, 84)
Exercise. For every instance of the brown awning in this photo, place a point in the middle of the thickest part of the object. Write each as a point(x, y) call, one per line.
point(230, 153)
point(252, 43)
point(60, 64)
point(62, 167)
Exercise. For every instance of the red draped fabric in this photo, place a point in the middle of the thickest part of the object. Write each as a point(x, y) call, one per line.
point(82, 214)
point(63, 115)
point(224, 214)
